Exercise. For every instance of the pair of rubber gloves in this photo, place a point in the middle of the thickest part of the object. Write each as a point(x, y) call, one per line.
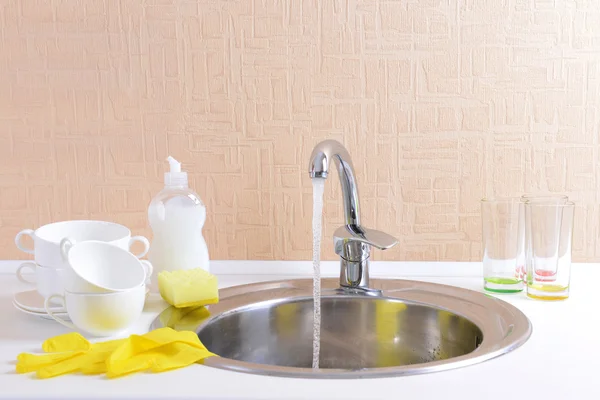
point(160, 350)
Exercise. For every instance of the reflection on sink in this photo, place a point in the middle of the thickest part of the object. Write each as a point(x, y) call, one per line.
point(412, 327)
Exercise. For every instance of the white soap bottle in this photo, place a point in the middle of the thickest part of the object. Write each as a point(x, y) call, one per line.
point(176, 215)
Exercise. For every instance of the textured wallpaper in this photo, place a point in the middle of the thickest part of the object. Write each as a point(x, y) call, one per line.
point(438, 102)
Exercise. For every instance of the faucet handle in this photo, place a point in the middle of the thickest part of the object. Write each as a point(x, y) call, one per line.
point(353, 242)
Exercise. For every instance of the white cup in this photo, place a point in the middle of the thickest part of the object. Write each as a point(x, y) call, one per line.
point(100, 314)
point(100, 267)
point(47, 238)
point(47, 280)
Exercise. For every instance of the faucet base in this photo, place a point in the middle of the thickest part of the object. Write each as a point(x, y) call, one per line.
point(354, 274)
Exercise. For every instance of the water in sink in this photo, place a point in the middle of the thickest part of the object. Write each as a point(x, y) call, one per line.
point(318, 188)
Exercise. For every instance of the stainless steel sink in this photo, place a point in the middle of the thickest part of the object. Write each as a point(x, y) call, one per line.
point(402, 327)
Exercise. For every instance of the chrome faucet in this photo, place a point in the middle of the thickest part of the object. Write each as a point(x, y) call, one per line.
point(351, 242)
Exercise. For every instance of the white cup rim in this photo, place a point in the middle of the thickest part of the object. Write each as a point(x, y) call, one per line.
point(89, 294)
point(41, 231)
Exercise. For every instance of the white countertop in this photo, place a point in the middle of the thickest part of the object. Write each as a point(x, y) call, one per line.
point(560, 361)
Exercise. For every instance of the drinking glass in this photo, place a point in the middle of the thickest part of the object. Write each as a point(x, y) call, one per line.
point(549, 198)
point(503, 244)
point(549, 237)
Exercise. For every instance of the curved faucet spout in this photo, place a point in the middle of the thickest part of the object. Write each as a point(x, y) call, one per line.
point(320, 161)
point(351, 242)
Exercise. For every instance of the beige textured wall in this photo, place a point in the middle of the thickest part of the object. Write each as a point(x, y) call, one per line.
point(439, 102)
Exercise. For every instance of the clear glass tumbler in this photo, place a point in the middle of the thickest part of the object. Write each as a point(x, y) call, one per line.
point(503, 244)
point(549, 238)
point(547, 198)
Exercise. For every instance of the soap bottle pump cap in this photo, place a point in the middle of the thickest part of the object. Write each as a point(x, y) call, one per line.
point(175, 177)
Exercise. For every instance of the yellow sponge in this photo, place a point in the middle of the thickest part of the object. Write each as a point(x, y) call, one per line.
point(187, 288)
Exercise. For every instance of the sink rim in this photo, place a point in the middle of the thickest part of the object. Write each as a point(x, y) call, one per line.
point(504, 327)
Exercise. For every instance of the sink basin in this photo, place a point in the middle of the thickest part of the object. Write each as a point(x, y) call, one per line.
point(410, 328)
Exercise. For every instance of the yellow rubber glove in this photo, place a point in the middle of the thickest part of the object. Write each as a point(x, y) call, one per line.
point(177, 355)
point(71, 353)
point(160, 350)
point(68, 342)
point(163, 358)
point(92, 361)
point(94, 369)
point(35, 362)
point(64, 348)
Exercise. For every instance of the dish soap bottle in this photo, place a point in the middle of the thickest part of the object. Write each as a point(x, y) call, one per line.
point(176, 215)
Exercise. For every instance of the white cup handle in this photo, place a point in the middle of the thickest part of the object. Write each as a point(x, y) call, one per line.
point(147, 268)
point(54, 317)
point(65, 247)
point(28, 232)
point(22, 267)
point(144, 241)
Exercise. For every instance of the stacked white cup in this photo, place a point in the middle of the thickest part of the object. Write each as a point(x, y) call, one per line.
point(87, 267)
